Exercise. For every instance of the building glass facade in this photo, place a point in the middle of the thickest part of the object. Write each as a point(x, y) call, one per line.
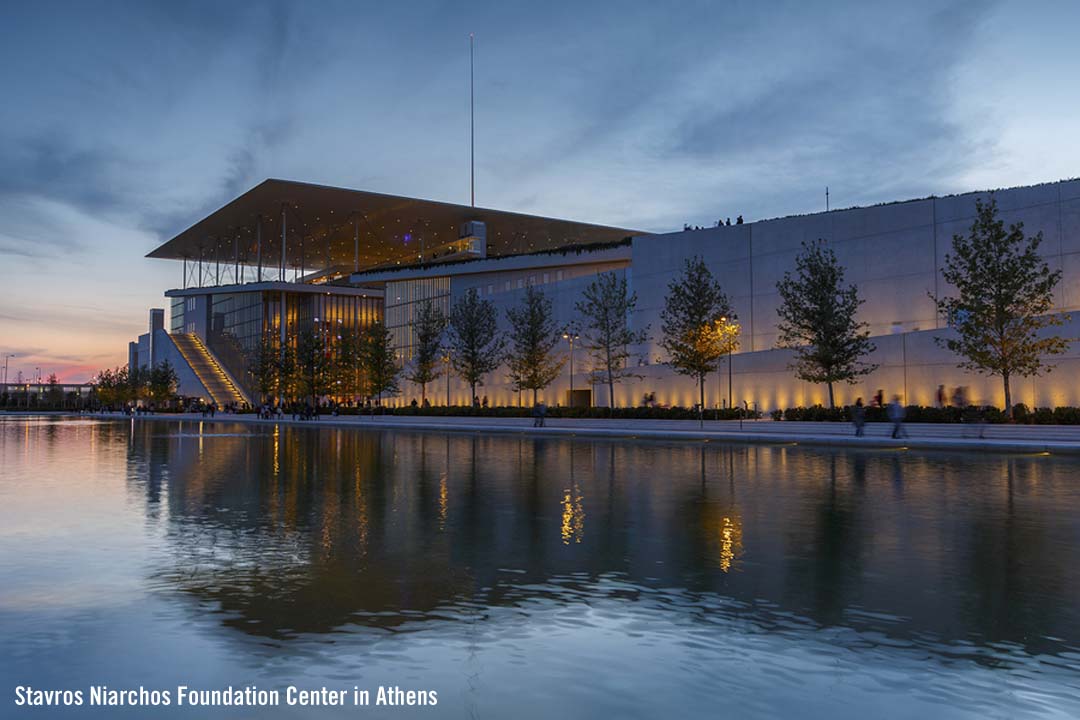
point(402, 303)
point(239, 321)
point(176, 315)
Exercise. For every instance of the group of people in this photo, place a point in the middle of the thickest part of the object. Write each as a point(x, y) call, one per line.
point(970, 415)
point(719, 223)
point(539, 414)
point(270, 412)
point(896, 413)
point(211, 409)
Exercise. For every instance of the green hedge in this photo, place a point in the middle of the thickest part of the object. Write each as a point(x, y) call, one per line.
point(919, 413)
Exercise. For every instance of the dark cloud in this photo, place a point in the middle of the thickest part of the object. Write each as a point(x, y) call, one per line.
point(53, 166)
point(98, 172)
point(875, 114)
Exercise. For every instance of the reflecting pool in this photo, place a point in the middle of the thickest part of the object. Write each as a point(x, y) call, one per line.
point(534, 578)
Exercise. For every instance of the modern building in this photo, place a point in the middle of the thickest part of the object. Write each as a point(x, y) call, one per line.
point(27, 394)
point(289, 256)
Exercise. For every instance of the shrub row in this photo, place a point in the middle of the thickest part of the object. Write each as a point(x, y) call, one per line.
point(918, 413)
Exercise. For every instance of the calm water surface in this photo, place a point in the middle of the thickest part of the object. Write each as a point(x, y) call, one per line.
point(536, 578)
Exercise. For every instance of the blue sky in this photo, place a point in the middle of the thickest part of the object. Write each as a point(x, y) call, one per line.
point(126, 122)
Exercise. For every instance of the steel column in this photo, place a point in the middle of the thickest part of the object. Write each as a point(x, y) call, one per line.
point(258, 248)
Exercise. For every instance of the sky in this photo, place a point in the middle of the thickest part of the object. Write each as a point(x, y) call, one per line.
point(125, 123)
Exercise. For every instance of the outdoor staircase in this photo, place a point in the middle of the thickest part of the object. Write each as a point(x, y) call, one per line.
point(209, 371)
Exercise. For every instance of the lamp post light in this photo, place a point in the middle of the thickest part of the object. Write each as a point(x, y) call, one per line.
point(446, 359)
point(570, 337)
point(729, 347)
point(728, 330)
point(6, 358)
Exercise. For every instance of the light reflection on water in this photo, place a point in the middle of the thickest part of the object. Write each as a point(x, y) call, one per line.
point(534, 577)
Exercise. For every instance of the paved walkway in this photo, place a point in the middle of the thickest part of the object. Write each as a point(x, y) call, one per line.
point(996, 438)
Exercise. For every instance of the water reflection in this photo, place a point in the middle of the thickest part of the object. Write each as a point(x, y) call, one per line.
point(298, 530)
point(678, 571)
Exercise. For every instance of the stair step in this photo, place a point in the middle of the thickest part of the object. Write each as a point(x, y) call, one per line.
point(206, 367)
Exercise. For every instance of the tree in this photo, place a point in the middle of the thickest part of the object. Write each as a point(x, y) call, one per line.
point(55, 393)
point(694, 308)
point(818, 320)
point(350, 361)
point(313, 364)
point(475, 346)
point(127, 384)
point(136, 384)
point(605, 307)
point(161, 382)
point(104, 384)
point(533, 337)
point(1004, 292)
point(112, 388)
point(380, 368)
point(428, 327)
point(265, 366)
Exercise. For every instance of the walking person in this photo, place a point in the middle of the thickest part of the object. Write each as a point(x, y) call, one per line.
point(896, 415)
point(960, 401)
point(858, 417)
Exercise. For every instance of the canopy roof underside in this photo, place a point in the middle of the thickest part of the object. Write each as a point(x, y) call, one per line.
point(321, 223)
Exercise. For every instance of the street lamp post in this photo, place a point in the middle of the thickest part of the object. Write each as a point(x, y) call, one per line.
point(729, 371)
point(447, 361)
point(570, 338)
point(6, 358)
point(728, 329)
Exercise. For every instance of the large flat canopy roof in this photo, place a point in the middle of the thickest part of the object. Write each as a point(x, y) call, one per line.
point(320, 223)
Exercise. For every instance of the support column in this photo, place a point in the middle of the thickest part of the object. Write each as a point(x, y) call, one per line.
point(200, 267)
point(217, 262)
point(258, 249)
point(184, 284)
point(281, 274)
point(236, 258)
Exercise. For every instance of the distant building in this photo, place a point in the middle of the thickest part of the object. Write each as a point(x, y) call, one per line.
point(15, 394)
point(287, 256)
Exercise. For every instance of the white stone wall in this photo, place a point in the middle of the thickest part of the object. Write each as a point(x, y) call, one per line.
point(894, 253)
point(911, 365)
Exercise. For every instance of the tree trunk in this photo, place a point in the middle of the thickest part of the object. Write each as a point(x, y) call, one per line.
point(423, 394)
point(832, 403)
point(1008, 396)
point(701, 402)
point(534, 396)
point(610, 397)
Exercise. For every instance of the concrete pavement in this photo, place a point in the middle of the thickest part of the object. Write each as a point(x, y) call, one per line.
point(995, 438)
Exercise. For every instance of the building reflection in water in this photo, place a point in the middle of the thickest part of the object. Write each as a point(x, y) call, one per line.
point(304, 530)
point(573, 509)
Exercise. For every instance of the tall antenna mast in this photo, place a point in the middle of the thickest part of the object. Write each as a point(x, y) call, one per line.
point(826, 198)
point(472, 128)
